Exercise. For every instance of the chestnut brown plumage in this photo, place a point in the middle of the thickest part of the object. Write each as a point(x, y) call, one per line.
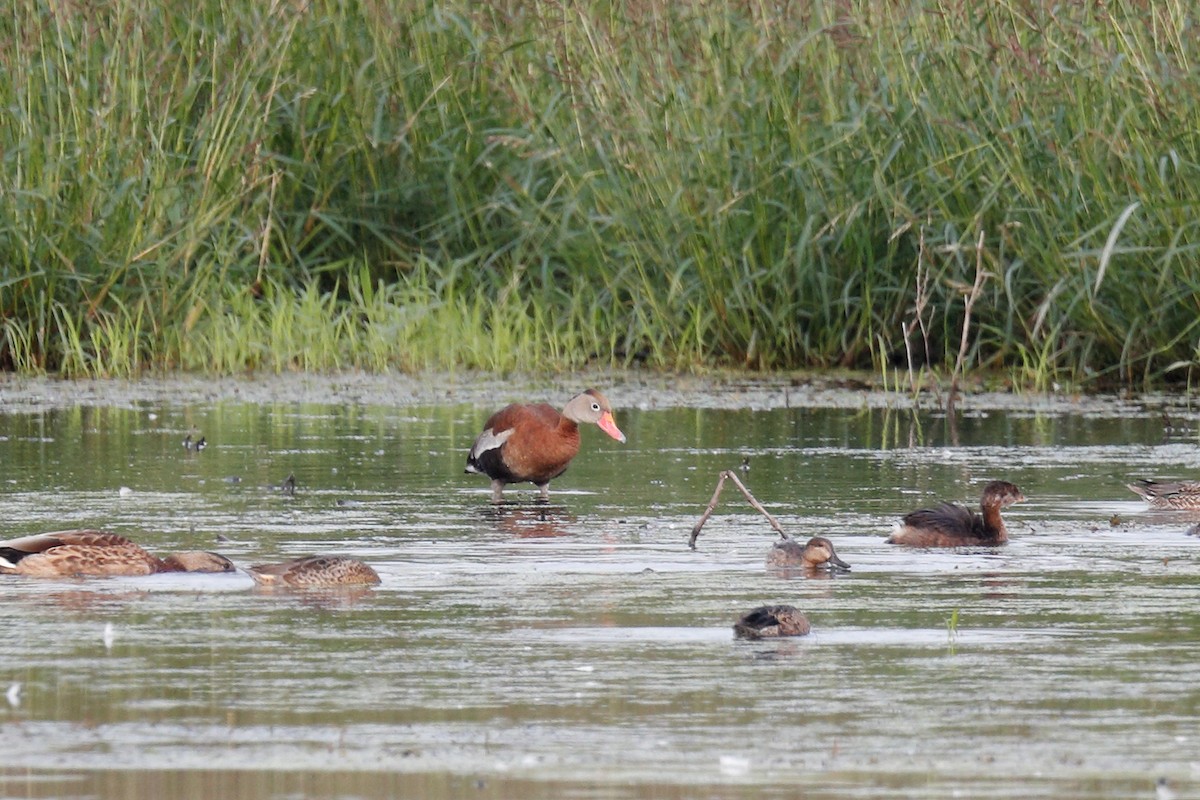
point(535, 443)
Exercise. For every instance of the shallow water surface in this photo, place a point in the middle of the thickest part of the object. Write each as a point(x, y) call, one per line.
point(579, 648)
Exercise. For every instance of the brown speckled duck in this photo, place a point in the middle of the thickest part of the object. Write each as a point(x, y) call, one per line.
point(321, 571)
point(91, 553)
point(1173, 494)
point(954, 526)
point(768, 622)
point(815, 554)
point(535, 443)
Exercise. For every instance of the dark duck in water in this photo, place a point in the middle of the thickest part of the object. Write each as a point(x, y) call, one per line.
point(768, 622)
point(948, 525)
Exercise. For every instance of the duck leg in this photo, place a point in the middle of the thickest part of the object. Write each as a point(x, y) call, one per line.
point(712, 505)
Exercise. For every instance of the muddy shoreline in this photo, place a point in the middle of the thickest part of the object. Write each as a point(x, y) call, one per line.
point(629, 389)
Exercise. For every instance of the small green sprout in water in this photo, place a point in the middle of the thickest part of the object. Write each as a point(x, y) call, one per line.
point(952, 626)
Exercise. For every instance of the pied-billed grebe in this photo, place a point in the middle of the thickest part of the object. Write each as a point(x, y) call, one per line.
point(767, 622)
point(315, 571)
point(535, 443)
point(954, 526)
point(815, 554)
point(97, 554)
point(1174, 494)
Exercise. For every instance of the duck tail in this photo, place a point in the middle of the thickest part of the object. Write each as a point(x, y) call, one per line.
point(1141, 488)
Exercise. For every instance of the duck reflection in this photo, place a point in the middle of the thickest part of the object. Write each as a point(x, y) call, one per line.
point(87, 601)
point(325, 598)
point(530, 522)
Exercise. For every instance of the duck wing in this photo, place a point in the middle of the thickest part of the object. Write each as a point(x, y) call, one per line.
point(73, 560)
point(945, 518)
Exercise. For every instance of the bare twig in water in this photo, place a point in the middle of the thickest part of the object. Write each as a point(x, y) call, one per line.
point(981, 276)
point(920, 305)
point(922, 299)
point(712, 504)
point(907, 329)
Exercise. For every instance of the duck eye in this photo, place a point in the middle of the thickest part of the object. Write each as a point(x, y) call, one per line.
point(595, 406)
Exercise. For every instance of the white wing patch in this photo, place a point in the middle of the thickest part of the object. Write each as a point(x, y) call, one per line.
point(490, 440)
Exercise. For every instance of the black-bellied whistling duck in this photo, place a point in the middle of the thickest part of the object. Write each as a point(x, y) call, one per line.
point(315, 571)
point(954, 526)
point(766, 622)
point(815, 554)
point(1177, 494)
point(535, 442)
point(66, 554)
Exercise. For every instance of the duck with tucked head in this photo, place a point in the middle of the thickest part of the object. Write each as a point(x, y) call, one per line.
point(321, 571)
point(91, 553)
point(534, 443)
point(769, 622)
point(954, 526)
point(814, 555)
point(1169, 494)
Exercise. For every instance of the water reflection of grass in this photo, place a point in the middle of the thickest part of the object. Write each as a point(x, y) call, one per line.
point(237, 185)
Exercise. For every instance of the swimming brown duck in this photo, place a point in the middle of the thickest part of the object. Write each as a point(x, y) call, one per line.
point(315, 571)
point(92, 553)
point(954, 526)
point(534, 443)
point(1172, 494)
point(768, 622)
point(815, 554)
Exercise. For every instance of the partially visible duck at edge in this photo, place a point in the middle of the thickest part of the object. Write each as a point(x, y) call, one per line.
point(769, 622)
point(535, 443)
point(815, 554)
point(92, 553)
point(1173, 494)
point(954, 526)
point(321, 571)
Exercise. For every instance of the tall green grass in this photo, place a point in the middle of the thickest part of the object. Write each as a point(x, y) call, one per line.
point(230, 185)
